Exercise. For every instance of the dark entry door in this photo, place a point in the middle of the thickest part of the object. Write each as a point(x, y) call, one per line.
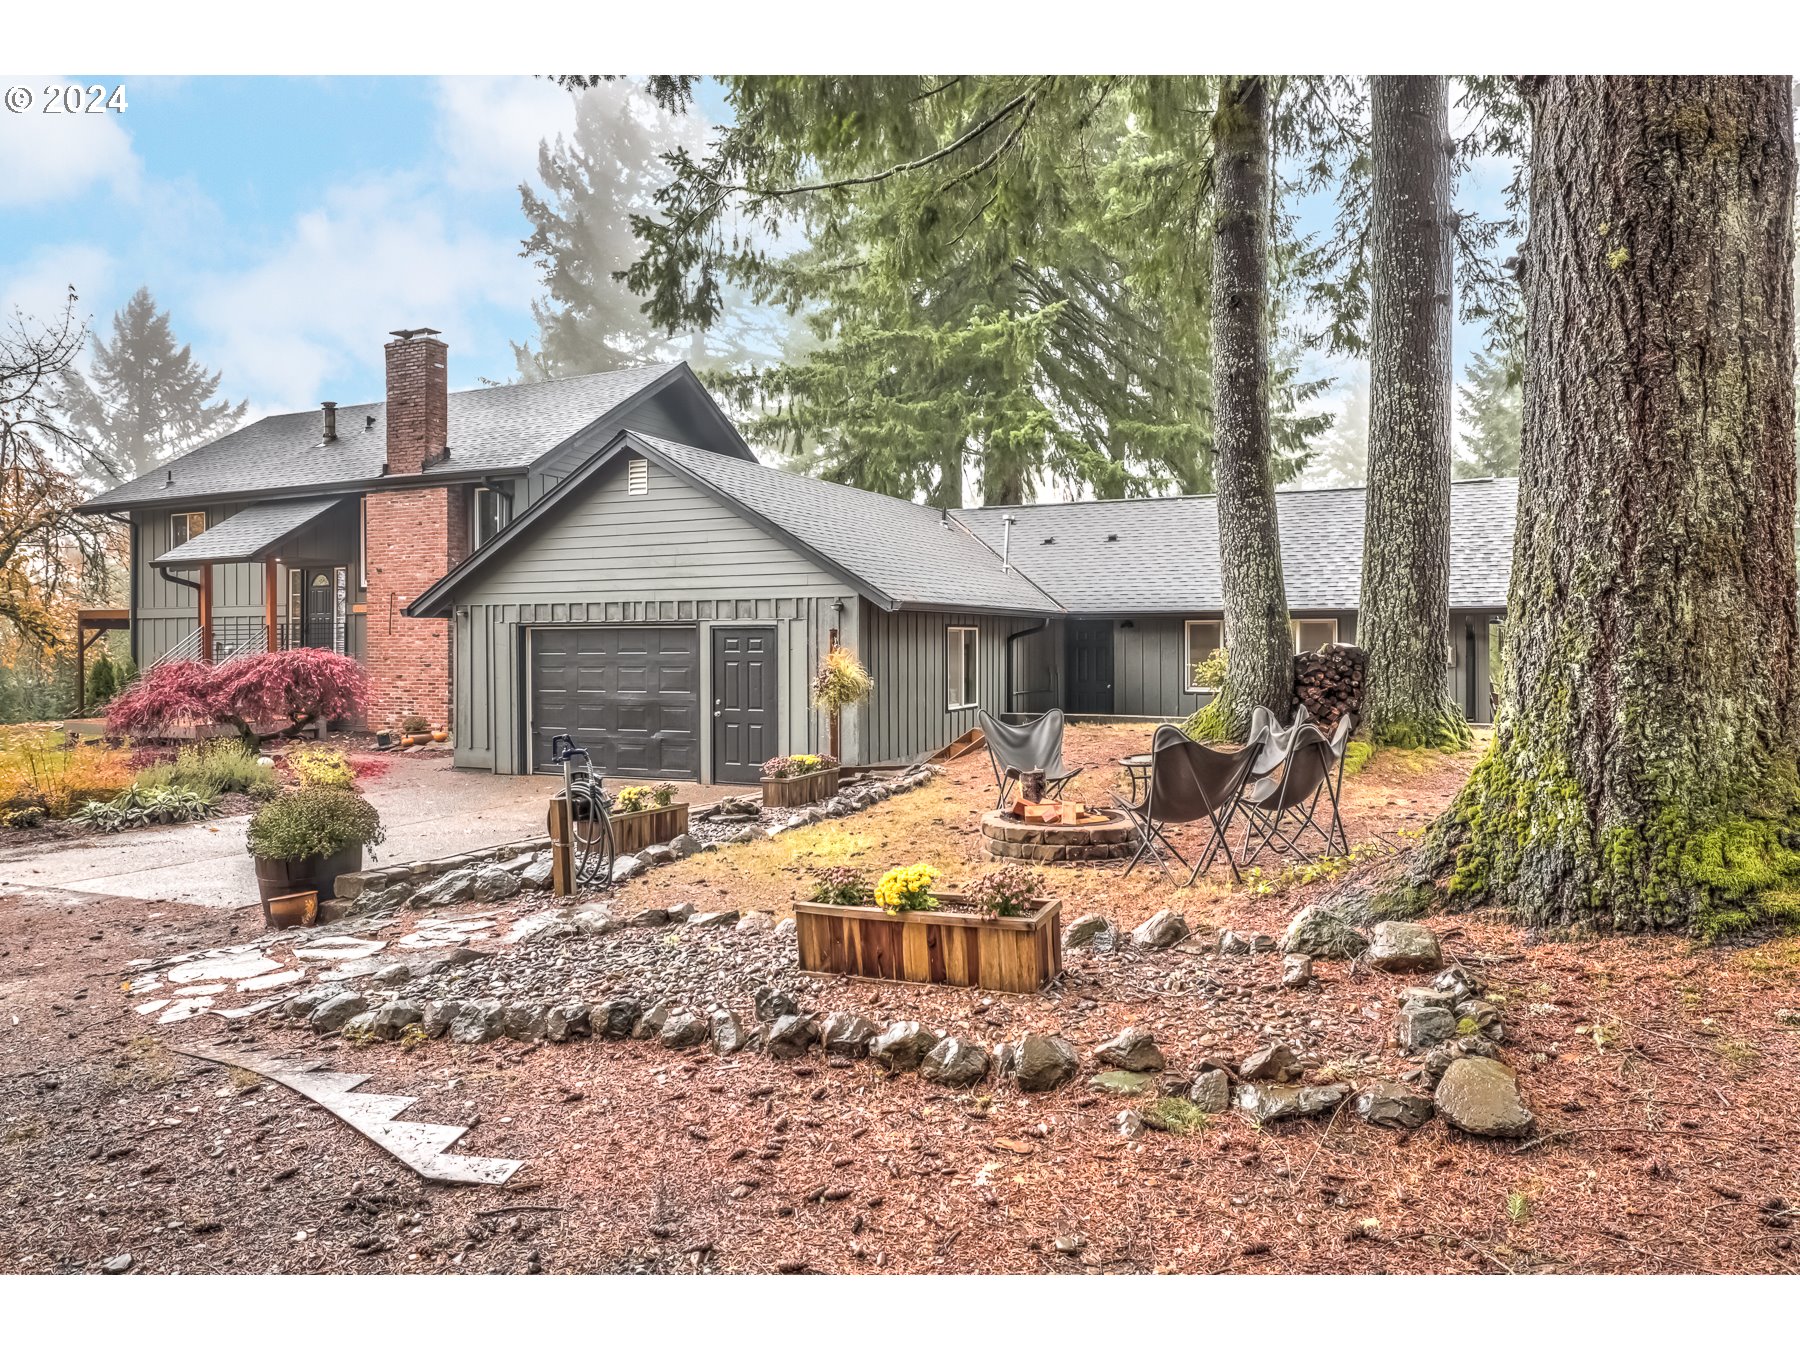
point(629, 696)
point(746, 708)
point(318, 616)
point(1090, 667)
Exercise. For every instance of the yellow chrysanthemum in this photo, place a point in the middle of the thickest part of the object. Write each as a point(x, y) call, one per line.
point(904, 888)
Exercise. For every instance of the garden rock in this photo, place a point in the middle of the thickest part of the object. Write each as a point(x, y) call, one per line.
point(1421, 1026)
point(453, 888)
point(1481, 1096)
point(683, 1030)
point(1404, 946)
point(655, 855)
point(727, 1033)
point(1393, 1106)
point(684, 846)
point(1439, 1059)
point(681, 913)
point(791, 1037)
point(390, 1019)
point(748, 835)
point(756, 922)
point(1296, 972)
point(786, 929)
point(955, 1063)
point(1132, 1049)
point(715, 919)
point(654, 917)
point(477, 1022)
point(1244, 944)
point(1043, 1062)
point(332, 1013)
point(650, 1025)
point(848, 1034)
point(615, 1018)
point(393, 976)
point(1268, 1102)
point(1091, 930)
point(1131, 1124)
point(625, 867)
point(1122, 1083)
point(596, 921)
point(494, 884)
point(536, 875)
point(1318, 931)
point(1427, 997)
point(1163, 929)
point(302, 1004)
point(1456, 982)
point(902, 1047)
point(1481, 1019)
point(1211, 1091)
point(439, 1014)
point(566, 1021)
point(1275, 1063)
point(772, 1003)
point(526, 1021)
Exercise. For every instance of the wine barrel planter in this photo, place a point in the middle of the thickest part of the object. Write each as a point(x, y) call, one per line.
point(802, 790)
point(319, 872)
point(634, 830)
point(945, 946)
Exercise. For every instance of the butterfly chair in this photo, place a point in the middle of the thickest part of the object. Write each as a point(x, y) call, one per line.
point(1281, 812)
point(1272, 739)
point(1188, 782)
point(1016, 749)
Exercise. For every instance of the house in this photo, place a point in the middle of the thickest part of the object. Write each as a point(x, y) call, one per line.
point(604, 557)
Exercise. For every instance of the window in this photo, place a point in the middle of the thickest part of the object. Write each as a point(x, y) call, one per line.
point(965, 667)
point(1312, 634)
point(1204, 637)
point(492, 513)
point(184, 525)
point(638, 477)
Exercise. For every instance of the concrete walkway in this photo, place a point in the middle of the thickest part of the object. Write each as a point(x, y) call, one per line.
point(430, 810)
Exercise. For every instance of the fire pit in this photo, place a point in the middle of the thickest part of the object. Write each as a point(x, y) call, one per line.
point(1093, 835)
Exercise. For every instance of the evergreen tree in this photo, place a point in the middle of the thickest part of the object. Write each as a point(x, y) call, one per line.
point(1493, 412)
point(145, 399)
point(1339, 456)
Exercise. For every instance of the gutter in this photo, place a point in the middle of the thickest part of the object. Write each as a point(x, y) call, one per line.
point(167, 575)
point(1011, 638)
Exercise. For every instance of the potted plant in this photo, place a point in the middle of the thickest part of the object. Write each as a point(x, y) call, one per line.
point(841, 680)
point(646, 814)
point(796, 780)
point(306, 840)
point(1002, 934)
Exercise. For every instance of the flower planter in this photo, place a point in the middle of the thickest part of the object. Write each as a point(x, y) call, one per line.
point(946, 946)
point(634, 830)
point(287, 876)
point(801, 790)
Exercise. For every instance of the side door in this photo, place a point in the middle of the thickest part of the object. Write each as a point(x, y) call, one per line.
point(746, 711)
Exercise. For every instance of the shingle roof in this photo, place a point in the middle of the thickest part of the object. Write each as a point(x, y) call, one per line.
point(913, 554)
point(249, 533)
point(1164, 553)
point(499, 428)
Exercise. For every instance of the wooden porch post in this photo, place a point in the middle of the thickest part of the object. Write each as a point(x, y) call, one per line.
point(206, 612)
point(834, 712)
point(80, 665)
point(269, 565)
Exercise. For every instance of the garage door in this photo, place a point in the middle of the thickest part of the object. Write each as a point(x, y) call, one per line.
point(629, 696)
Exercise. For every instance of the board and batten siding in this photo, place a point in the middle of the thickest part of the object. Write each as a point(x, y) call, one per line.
point(907, 653)
point(674, 555)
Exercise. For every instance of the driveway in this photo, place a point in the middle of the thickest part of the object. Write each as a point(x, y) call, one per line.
point(430, 810)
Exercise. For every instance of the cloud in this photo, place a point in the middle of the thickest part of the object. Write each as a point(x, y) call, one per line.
point(305, 321)
point(53, 157)
point(39, 286)
point(490, 126)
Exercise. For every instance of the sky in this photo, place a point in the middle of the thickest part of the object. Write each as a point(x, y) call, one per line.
point(288, 224)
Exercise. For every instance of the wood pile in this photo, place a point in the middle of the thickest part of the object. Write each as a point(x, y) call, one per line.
point(1329, 683)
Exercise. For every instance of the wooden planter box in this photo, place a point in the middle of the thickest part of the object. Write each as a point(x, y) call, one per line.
point(1016, 956)
point(634, 830)
point(801, 791)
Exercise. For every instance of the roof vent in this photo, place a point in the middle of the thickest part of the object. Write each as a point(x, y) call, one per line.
point(1049, 539)
point(330, 420)
point(1112, 538)
point(169, 482)
point(369, 422)
point(637, 482)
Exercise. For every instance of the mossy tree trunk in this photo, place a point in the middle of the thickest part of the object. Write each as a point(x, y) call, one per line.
point(1644, 771)
point(1260, 653)
point(1404, 625)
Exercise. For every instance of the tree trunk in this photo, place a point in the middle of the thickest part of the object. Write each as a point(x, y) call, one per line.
point(1644, 771)
point(1404, 625)
point(1260, 660)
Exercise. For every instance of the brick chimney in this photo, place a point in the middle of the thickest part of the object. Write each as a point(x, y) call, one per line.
point(414, 536)
point(418, 400)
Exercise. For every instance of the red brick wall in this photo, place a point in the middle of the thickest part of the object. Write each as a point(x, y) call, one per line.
point(418, 402)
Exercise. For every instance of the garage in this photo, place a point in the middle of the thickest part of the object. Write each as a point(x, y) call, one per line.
point(629, 695)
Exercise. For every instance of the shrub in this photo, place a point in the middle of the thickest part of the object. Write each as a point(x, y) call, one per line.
point(631, 800)
point(841, 681)
point(415, 725)
point(907, 888)
point(794, 766)
point(1005, 892)
point(212, 770)
point(145, 806)
point(321, 766)
point(102, 682)
point(42, 768)
point(840, 886)
point(313, 822)
point(295, 686)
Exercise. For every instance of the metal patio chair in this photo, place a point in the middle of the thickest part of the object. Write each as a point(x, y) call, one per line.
point(1188, 782)
point(1016, 749)
point(1281, 812)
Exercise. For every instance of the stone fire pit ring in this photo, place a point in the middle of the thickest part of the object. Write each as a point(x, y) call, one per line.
point(1109, 840)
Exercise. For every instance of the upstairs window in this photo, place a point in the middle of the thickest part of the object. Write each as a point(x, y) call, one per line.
point(184, 525)
point(965, 667)
point(1204, 637)
point(1312, 634)
point(492, 514)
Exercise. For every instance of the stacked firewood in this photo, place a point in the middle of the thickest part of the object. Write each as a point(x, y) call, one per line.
point(1329, 683)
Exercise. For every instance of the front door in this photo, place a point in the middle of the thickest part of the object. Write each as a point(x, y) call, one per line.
point(746, 707)
point(1090, 666)
point(318, 609)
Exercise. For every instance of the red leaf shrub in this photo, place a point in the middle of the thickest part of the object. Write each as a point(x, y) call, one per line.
point(292, 686)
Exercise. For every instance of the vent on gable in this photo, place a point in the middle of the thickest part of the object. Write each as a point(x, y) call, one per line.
point(637, 481)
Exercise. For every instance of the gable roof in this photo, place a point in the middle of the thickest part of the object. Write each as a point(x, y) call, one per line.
point(250, 533)
point(497, 429)
point(896, 553)
point(1161, 554)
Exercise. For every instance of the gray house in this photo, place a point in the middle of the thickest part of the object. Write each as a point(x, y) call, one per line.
point(667, 606)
